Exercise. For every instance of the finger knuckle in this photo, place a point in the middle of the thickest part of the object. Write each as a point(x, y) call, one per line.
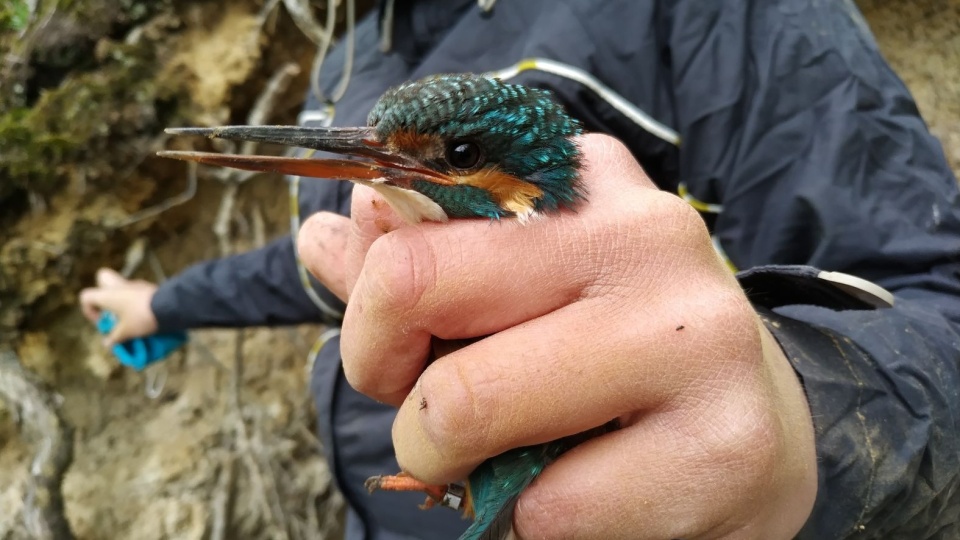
point(681, 221)
point(609, 158)
point(455, 417)
point(363, 357)
point(609, 145)
point(355, 370)
point(735, 325)
point(398, 270)
point(744, 444)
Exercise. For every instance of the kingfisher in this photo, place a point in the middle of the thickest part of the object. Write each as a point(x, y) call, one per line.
point(446, 146)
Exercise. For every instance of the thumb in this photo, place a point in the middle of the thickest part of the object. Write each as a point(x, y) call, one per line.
point(126, 328)
point(108, 278)
point(131, 307)
point(322, 246)
point(112, 300)
point(119, 334)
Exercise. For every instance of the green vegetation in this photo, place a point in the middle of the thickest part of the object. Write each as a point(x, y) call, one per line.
point(14, 15)
point(76, 121)
point(78, 100)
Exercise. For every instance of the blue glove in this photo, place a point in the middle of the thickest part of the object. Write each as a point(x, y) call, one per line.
point(138, 353)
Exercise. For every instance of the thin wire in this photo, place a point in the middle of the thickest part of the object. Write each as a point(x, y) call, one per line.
point(294, 191)
point(700, 206)
point(167, 204)
point(325, 117)
point(344, 83)
point(386, 27)
point(618, 102)
point(318, 345)
point(341, 88)
point(156, 379)
point(322, 52)
point(302, 14)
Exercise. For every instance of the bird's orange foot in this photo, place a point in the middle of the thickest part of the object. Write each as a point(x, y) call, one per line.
point(450, 495)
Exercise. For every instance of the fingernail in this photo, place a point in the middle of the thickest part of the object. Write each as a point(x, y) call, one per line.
point(512, 535)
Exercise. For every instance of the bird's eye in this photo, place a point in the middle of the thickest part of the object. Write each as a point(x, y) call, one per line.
point(463, 154)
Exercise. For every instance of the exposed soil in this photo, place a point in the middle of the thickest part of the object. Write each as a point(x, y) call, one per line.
point(177, 465)
point(174, 466)
point(921, 41)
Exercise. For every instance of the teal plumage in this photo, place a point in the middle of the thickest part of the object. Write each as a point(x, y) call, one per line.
point(496, 485)
point(498, 482)
point(523, 131)
point(461, 201)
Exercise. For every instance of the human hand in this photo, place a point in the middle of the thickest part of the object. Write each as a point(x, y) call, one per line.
point(129, 300)
point(622, 309)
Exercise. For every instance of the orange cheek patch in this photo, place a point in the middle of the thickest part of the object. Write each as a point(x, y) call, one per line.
point(508, 191)
point(413, 144)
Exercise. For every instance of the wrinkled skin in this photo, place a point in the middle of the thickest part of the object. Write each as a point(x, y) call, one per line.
point(620, 310)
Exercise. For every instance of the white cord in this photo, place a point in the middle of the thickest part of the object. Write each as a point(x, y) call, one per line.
point(606, 93)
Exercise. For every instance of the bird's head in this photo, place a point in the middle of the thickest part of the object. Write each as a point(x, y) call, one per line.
point(445, 146)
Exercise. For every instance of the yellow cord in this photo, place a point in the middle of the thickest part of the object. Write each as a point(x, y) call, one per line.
point(707, 208)
point(295, 222)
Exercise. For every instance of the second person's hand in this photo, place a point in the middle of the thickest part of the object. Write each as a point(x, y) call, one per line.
point(128, 299)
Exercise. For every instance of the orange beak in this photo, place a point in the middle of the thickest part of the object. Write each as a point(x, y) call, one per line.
point(378, 161)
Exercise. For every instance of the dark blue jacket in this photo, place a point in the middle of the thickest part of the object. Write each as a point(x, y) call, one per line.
point(807, 153)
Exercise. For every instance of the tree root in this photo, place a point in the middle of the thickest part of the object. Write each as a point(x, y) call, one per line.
point(38, 411)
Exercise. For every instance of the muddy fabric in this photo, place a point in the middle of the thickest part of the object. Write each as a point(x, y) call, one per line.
point(791, 120)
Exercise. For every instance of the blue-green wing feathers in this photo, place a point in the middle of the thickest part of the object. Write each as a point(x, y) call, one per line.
point(496, 485)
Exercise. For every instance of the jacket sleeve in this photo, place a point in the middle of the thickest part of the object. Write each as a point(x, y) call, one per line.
point(883, 389)
point(257, 288)
point(819, 157)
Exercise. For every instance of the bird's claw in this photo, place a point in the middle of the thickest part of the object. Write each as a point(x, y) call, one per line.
point(373, 483)
point(451, 495)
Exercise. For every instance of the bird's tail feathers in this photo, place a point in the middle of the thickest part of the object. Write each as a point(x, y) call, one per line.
point(499, 527)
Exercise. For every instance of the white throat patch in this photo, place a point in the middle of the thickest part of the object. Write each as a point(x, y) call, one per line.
point(412, 206)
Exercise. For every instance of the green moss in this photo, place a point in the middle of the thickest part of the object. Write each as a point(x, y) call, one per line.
point(78, 121)
point(14, 15)
point(77, 111)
